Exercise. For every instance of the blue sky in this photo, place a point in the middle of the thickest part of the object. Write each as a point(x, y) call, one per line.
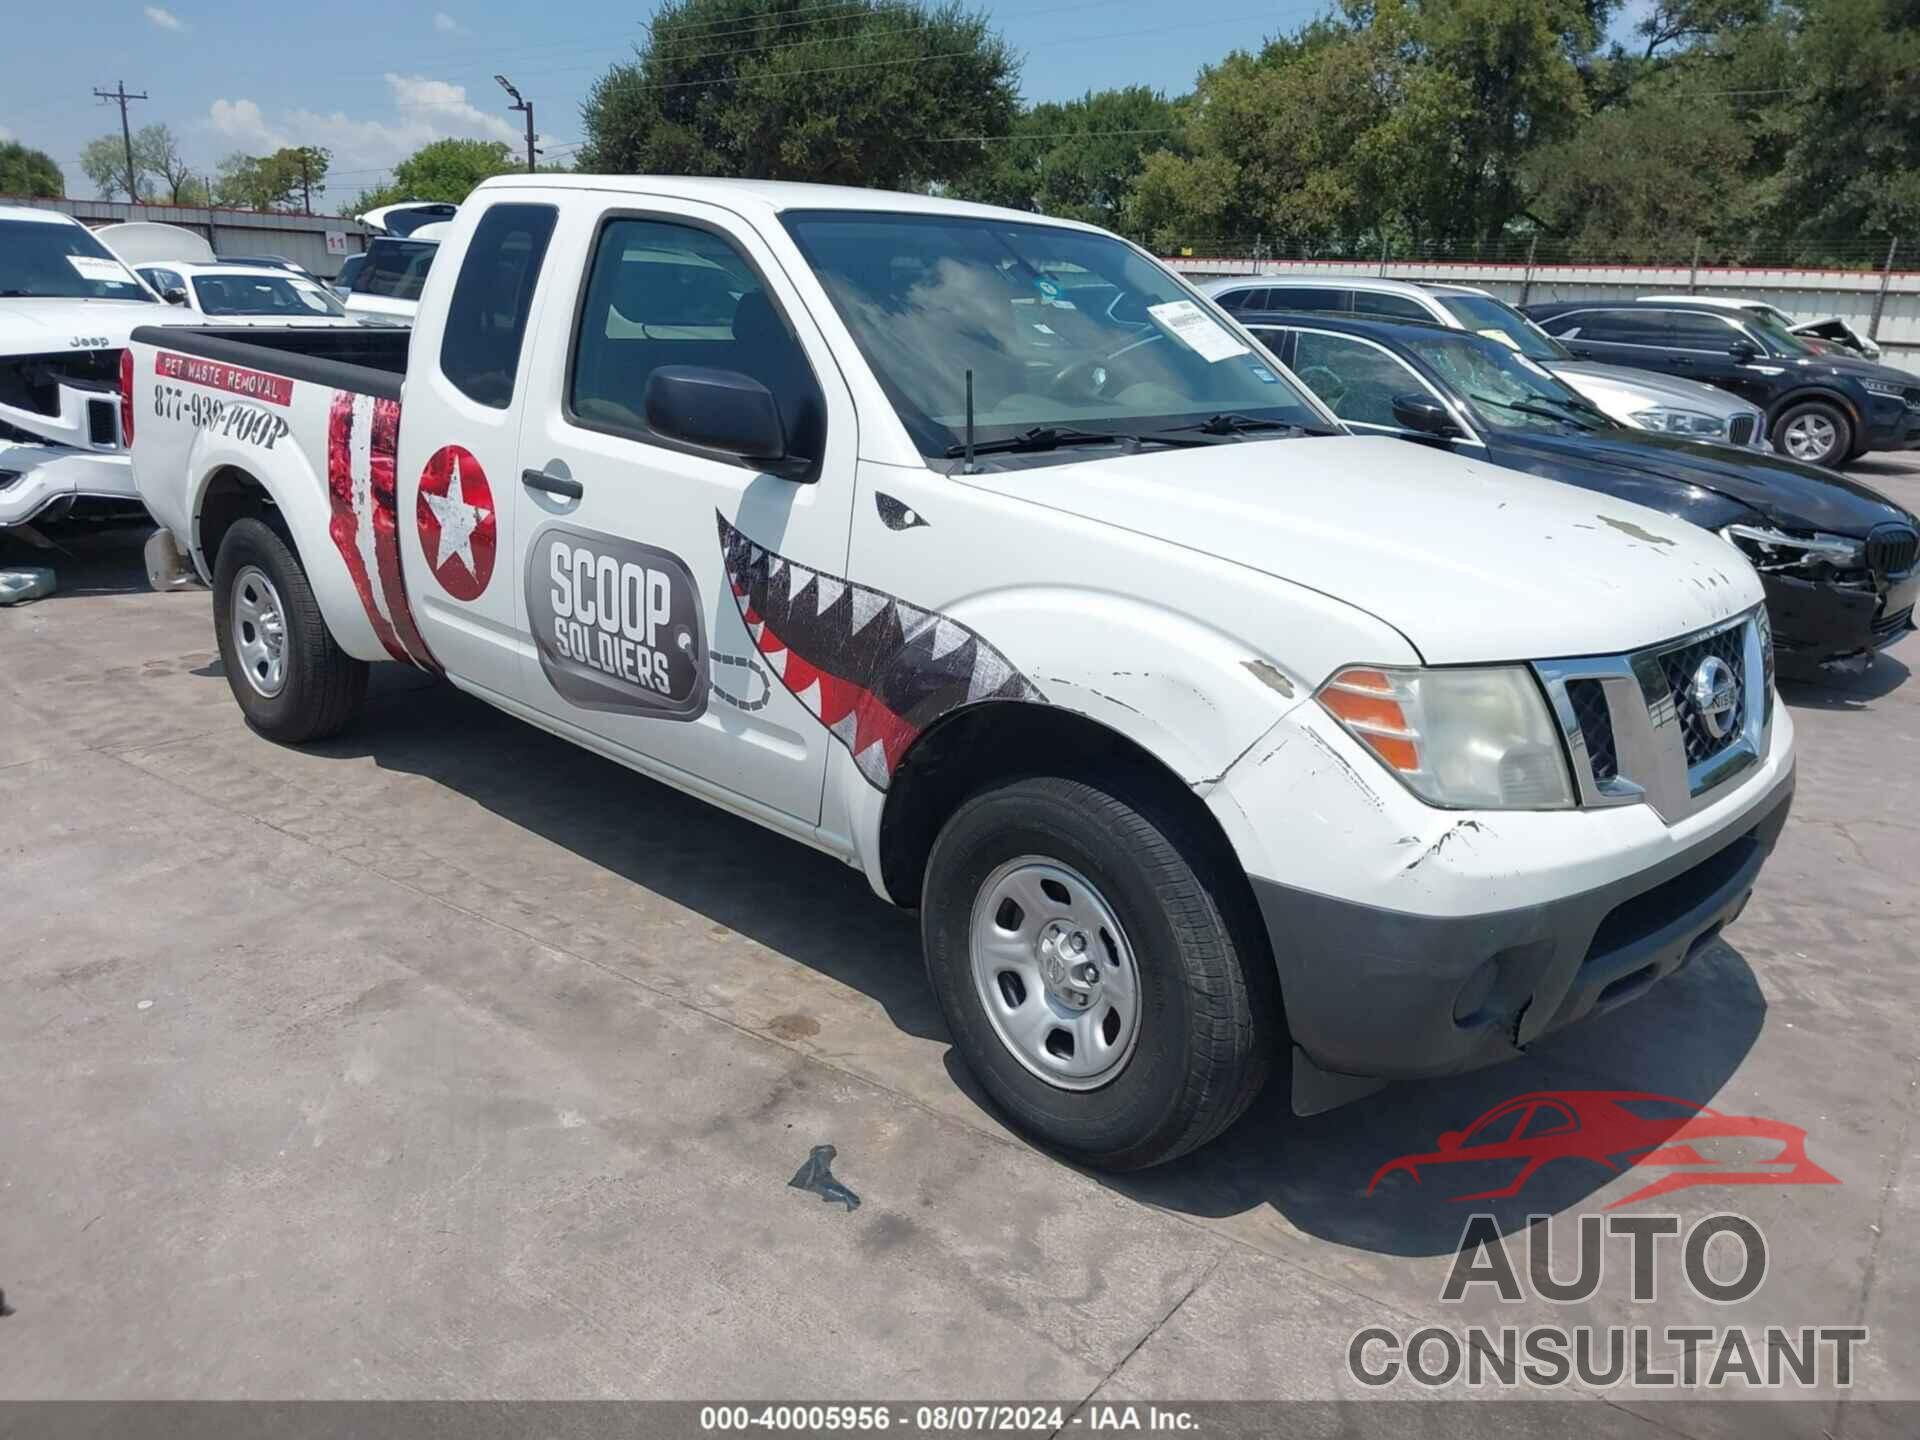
point(373, 82)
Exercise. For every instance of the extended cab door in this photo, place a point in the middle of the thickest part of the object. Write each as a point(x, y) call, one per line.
point(639, 638)
point(467, 387)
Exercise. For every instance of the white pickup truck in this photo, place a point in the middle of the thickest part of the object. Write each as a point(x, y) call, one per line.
point(1201, 734)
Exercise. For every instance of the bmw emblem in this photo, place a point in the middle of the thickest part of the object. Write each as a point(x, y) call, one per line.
point(1715, 692)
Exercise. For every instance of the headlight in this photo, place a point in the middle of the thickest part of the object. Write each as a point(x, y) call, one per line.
point(1478, 739)
point(1886, 387)
point(1679, 422)
point(1775, 549)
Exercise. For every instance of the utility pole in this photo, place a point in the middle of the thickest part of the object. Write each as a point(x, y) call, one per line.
point(120, 93)
point(1880, 299)
point(527, 106)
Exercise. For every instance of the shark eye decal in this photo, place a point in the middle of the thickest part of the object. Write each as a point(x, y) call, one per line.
point(896, 514)
point(872, 669)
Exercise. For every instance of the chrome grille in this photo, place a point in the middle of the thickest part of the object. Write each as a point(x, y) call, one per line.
point(1589, 702)
point(1892, 550)
point(1681, 665)
point(1636, 733)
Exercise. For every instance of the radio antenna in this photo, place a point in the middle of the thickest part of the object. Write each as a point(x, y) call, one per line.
point(967, 469)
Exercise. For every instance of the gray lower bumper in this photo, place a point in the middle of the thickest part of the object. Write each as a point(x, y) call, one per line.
point(1378, 995)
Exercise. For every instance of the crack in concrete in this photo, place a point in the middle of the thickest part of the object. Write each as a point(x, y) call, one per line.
point(1152, 1330)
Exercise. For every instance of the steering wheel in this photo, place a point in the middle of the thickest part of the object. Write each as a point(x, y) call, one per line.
point(1324, 383)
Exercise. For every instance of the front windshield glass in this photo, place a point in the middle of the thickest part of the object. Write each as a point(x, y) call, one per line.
point(1061, 329)
point(1507, 390)
point(1498, 320)
point(1776, 336)
point(55, 260)
point(281, 295)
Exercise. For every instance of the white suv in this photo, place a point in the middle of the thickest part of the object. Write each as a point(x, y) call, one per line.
point(1635, 398)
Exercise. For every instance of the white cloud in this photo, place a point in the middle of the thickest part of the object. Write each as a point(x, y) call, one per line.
point(447, 25)
point(423, 110)
point(5, 135)
point(165, 19)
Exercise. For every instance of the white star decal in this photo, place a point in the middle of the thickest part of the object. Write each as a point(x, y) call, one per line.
point(458, 520)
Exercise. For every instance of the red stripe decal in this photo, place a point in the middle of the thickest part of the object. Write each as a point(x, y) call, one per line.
point(384, 452)
point(347, 520)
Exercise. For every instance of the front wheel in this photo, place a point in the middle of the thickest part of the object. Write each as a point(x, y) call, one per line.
point(1092, 964)
point(1815, 432)
point(291, 681)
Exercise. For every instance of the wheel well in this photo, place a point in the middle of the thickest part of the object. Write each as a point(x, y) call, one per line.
point(986, 743)
point(232, 494)
point(1801, 397)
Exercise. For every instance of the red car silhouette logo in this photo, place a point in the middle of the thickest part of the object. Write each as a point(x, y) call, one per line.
point(1620, 1130)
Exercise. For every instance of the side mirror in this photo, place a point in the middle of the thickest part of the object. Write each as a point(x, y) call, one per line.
point(1743, 351)
point(174, 295)
point(720, 410)
point(1449, 1140)
point(1424, 415)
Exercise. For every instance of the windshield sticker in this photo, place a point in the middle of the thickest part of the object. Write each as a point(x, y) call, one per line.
point(871, 668)
point(1265, 376)
point(617, 624)
point(216, 375)
point(99, 267)
point(1197, 330)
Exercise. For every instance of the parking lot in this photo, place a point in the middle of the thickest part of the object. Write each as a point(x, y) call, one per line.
point(449, 1060)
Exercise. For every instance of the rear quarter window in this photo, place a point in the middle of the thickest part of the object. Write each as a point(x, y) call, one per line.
point(487, 317)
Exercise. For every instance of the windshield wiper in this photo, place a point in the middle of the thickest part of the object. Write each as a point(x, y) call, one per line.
point(1052, 437)
point(1527, 407)
point(1232, 423)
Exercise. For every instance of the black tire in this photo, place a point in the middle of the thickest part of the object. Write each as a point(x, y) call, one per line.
point(1210, 1024)
point(324, 685)
point(1815, 414)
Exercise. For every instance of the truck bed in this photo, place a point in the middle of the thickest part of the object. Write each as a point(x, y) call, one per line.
point(369, 359)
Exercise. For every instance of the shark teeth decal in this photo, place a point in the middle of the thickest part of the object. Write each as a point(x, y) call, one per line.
point(872, 669)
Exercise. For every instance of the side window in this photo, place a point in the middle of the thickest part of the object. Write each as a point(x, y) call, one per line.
point(1496, 1131)
point(1703, 332)
point(668, 294)
point(1238, 300)
point(1316, 298)
point(1627, 327)
point(1390, 307)
point(1356, 380)
point(487, 317)
point(1546, 1119)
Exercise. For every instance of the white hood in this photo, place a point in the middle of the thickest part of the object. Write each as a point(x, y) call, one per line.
point(31, 325)
point(1469, 561)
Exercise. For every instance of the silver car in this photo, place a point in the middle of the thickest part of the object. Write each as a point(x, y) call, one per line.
point(1634, 398)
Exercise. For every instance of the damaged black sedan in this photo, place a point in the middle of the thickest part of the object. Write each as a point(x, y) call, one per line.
point(1840, 562)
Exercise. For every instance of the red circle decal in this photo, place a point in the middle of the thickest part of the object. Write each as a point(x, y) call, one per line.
point(457, 527)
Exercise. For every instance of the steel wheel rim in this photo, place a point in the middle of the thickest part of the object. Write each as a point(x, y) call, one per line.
point(1810, 436)
point(259, 629)
point(1069, 1015)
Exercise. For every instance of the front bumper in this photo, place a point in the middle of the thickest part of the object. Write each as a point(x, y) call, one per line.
point(1600, 906)
point(36, 478)
point(1817, 621)
point(1891, 427)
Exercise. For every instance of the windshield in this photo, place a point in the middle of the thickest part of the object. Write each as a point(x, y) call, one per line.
point(1498, 320)
point(1507, 390)
point(1777, 337)
point(396, 269)
point(1061, 329)
point(55, 260)
point(280, 295)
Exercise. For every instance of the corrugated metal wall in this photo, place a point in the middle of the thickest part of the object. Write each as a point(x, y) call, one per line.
point(299, 238)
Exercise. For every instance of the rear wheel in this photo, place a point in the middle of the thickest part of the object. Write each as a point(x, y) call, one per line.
point(1815, 432)
point(1095, 971)
point(291, 681)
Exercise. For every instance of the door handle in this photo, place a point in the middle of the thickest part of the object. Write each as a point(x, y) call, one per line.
point(552, 484)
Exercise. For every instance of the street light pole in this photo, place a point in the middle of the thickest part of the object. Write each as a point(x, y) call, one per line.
point(527, 106)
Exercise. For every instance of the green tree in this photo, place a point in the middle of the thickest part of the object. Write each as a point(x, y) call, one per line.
point(29, 172)
point(867, 93)
point(284, 180)
point(1077, 159)
point(443, 170)
point(104, 161)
